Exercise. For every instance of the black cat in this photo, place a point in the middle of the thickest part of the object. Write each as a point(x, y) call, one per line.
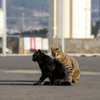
point(50, 68)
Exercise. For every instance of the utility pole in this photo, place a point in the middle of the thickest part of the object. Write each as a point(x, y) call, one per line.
point(55, 15)
point(4, 28)
point(62, 26)
point(98, 34)
point(23, 22)
point(99, 16)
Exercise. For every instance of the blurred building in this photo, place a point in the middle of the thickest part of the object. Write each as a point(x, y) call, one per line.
point(35, 33)
point(1, 22)
point(76, 18)
point(95, 16)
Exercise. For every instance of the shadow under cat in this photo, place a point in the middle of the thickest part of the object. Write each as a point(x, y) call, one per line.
point(19, 82)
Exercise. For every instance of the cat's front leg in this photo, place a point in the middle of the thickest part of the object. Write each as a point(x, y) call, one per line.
point(70, 78)
point(37, 83)
point(42, 78)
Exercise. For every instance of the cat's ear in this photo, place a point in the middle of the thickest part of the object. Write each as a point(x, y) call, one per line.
point(52, 48)
point(39, 51)
point(60, 48)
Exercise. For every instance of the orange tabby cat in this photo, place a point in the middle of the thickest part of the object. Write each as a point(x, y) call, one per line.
point(70, 63)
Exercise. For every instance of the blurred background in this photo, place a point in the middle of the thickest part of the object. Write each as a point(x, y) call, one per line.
point(42, 24)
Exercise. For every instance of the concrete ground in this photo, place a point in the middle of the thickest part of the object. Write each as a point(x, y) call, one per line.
point(18, 74)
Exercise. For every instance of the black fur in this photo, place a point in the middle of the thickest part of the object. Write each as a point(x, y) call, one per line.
point(50, 68)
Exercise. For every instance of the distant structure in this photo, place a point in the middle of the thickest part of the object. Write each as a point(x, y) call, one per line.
point(1, 22)
point(35, 33)
point(76, 18)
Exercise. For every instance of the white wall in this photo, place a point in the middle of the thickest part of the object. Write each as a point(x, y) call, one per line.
point(81, 24)
point(58, 19)
point(77, 18)
point(66, 18)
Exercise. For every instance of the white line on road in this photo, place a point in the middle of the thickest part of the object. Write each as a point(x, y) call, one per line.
point(38, 72)
point(21, 71)
point(89, 73)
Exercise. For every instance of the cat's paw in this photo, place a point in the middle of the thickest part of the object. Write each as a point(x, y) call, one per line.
point(36, 83)
point(74, 81)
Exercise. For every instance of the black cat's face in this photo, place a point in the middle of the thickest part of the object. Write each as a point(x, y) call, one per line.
point(36, 55)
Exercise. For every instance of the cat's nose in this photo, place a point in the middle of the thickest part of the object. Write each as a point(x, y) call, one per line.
point(53, 54)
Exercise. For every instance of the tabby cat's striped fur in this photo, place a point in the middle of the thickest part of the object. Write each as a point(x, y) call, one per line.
point(70, 63)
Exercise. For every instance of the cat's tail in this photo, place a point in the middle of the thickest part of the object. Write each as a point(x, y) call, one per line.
point(66, 83)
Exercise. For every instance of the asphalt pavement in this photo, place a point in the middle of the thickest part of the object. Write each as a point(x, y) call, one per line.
point(18, 74)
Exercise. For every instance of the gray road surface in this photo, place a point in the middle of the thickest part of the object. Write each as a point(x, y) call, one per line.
point(17, 75)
